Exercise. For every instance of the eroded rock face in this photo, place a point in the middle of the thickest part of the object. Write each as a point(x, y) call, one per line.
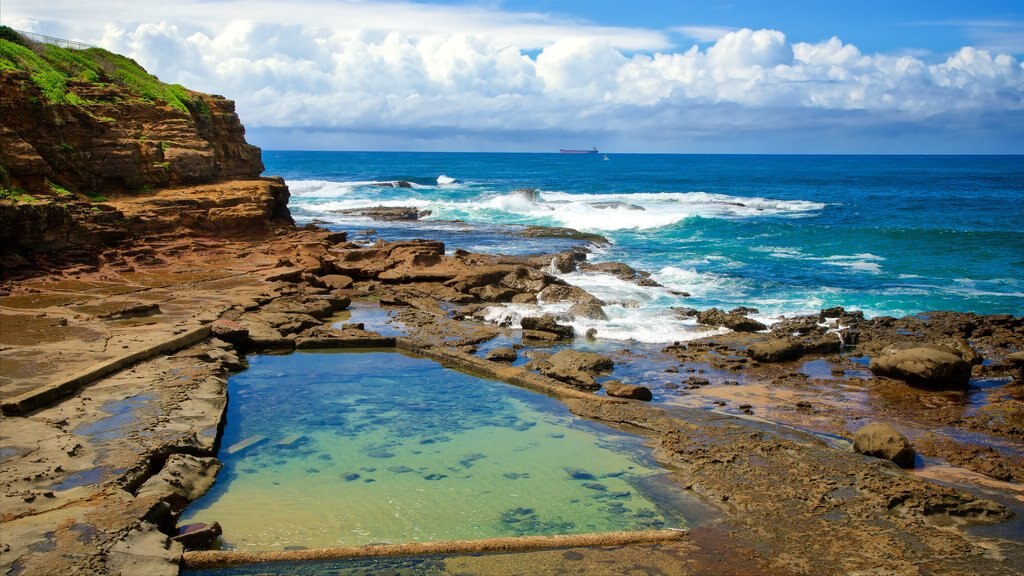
point(183, 479)
point(926, 367)
point(117, 143)
point(881, 440)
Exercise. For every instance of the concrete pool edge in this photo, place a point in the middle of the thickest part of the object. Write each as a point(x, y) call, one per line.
point(225, 558)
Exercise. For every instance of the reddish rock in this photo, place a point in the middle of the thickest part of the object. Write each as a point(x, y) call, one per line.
point(621, 390)
point(229, 331)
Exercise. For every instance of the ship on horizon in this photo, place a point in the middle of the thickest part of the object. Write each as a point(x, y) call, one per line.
point(591, 151)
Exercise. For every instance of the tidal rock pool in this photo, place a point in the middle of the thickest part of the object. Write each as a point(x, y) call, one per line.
point(352, 448)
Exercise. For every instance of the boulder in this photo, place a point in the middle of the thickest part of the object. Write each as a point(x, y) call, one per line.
point(564, 262)
point(572, 377)
point(560, 293)
point(775, 350)
point(529, 194)
point(524, 298)
point(631, 391)
point(923, 366)
point(883, 441)
point(524, 279)
point(501, 355)
point(732, 320)
point(584, 361)
point(336, 281)
point(547, 323)
point(198, 536)
point(588, 310)
point(576, 368)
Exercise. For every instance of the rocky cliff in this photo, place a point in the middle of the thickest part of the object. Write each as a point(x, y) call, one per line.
point(81, 130)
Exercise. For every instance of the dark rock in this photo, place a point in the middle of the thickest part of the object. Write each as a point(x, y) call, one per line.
point(387, 213)
point(547, 323)
point(927, 367)
point(529, 194)
point(683, 312)
point(883, 441)
point(501, 355)
point(198, 536)
point(732, 321)
point(524, 298)
point(621, 390)
point(567, 233)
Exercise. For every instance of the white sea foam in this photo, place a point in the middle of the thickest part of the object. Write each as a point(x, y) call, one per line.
point(322, 188)
point(862, 262)
point(443, 180)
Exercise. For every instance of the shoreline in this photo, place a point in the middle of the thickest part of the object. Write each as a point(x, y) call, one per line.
point(752, 472)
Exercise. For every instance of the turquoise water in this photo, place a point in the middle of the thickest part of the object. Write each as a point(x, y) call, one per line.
point(890, 235)
point(358, 448)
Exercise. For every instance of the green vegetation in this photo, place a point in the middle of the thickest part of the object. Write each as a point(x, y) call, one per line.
point(16, 194)
point(66, 148)
point(59, 190)
point(96, 197)
point(52, 68)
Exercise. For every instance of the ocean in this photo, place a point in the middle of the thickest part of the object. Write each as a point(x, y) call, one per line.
point(787, 235)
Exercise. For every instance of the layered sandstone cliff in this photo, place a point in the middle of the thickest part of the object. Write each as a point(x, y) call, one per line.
point(83, 130)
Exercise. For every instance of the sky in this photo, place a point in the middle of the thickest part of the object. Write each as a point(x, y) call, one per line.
point(715, 76)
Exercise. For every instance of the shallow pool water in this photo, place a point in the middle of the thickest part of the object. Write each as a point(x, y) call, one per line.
point(350, 448)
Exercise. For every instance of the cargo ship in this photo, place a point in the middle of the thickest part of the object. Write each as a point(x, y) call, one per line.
point(591, 151)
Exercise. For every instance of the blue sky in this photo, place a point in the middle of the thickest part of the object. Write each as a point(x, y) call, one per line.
point(897, 26)
point(536, 75)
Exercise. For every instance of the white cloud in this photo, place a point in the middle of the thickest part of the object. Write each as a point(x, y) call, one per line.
point(363, 67)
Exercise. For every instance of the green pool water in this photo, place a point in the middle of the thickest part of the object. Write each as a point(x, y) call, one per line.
point(355, 448)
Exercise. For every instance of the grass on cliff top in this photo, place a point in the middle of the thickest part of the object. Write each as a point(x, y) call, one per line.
point(51, 67)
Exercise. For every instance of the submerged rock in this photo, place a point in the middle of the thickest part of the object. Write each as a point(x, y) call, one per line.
point(566, 233)
point(501, 355)
point(387, 213)
point(883, 441)
point(927, 367)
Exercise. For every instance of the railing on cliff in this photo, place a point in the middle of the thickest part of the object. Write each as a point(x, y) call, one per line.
point(61, 42)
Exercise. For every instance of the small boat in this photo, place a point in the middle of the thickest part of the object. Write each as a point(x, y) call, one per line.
point(591, 151)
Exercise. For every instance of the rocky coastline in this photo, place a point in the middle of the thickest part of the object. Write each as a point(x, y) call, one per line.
point(129, 298)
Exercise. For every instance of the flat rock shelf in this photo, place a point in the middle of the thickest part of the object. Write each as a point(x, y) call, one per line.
point(353, 448)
